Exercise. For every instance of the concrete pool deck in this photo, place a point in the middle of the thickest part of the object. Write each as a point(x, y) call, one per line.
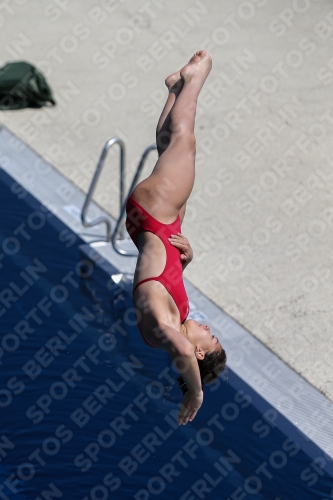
point(260, 216)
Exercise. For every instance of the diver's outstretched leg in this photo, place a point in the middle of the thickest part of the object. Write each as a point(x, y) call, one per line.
point(174, 83)
point(170, 184)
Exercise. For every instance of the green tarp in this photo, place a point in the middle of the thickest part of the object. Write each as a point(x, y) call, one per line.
point(23, 86)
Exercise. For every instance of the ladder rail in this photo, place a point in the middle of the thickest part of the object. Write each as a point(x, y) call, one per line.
point(99, 220)
point(119, 229)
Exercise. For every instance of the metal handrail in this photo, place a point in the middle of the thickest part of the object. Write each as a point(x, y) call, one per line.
point(123, 208)
point(108, 145)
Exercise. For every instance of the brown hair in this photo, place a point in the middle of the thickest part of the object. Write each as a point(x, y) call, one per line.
point(213, 364)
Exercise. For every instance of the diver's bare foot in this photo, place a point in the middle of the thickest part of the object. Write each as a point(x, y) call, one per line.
point(174, 82)
point(199, 66)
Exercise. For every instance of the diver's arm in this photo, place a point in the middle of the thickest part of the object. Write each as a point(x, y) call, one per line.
point(182, 354)
point(172, 341)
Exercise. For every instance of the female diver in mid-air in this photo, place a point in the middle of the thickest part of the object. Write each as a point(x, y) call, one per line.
point(155, 210)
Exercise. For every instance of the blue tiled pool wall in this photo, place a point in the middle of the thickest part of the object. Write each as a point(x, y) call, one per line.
point(78, 413)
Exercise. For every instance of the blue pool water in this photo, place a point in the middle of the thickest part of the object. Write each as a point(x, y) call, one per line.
point(80, 397)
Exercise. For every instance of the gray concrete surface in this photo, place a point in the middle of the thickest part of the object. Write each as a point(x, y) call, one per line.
point(260, 216)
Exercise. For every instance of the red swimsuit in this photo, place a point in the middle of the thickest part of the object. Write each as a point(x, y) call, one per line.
point(138, 219)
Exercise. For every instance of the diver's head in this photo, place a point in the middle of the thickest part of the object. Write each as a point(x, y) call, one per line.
point(201, 338)
point(208, 350)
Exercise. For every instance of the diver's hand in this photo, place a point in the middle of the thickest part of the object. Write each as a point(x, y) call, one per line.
point(179, 241)
point(190, 406)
